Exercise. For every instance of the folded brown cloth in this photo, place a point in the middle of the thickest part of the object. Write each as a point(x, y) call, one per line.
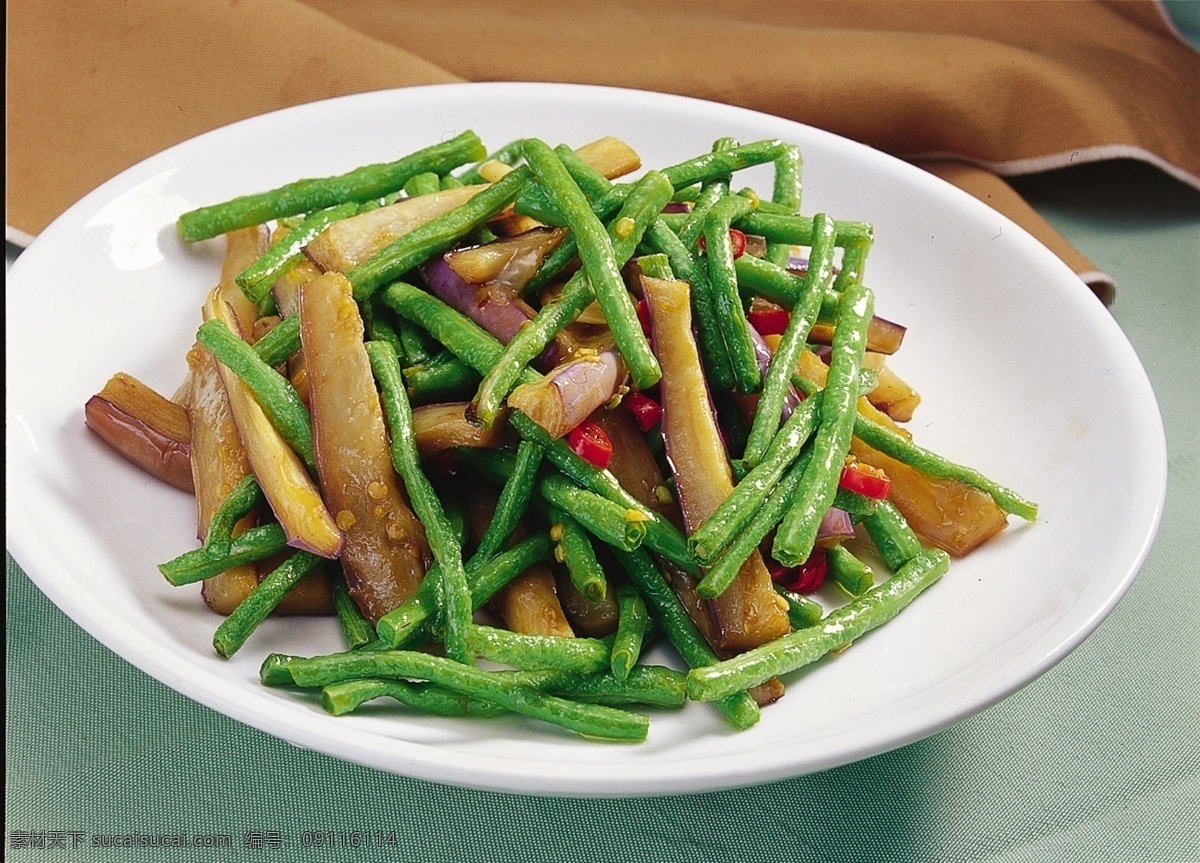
point(972, 89)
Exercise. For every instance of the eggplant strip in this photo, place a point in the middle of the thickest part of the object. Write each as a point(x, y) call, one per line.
point(747, 613)
point(385, 552)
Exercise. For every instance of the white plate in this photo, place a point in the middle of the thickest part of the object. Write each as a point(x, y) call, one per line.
point(1024, 375)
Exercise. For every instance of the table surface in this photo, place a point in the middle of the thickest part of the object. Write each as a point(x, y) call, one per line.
point(1098, 759)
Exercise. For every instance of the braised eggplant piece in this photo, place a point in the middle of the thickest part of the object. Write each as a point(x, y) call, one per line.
point(385, 553)
point(747, 614)
point(146, 428)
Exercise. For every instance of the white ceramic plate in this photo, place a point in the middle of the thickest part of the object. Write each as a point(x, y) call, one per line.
point(1024, 375)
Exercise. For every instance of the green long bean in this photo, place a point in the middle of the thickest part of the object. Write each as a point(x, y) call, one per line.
point(442, 377)
point(737, 707)
point(539, 652)
point(256, 280)
point(509, 154)
point(839, 628)
point(590, 720)
point(850, 573)
point(640, 207)
point(257, 543)
point(798, 530)
point(435, 236)
point(726, 299)
point(306, 196)
point(240, 501)
point(633, 622)
point(356, 629)
point(603, 518)
point(783, 364)
point(574, 549)
point(902, 449)
point(889, 530)
point(802, 611)
point(407, 625)
point(708, 325)
point(447, 552)
point(281, 343)
point(721, 573)
point(347, 696)
point(786, 193)
point(649, 685)
point(724, 162)
point(275, 394)
point(425, 183)
point(511, 505)
point(261, 601)
point(710, 333)
point(732, 515)
point(599, 261)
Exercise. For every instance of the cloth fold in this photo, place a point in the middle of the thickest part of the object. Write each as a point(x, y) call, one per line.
point(1008, 88)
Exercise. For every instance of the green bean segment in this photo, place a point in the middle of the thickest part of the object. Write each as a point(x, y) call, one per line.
point(306, 196)
point(276, 396)
point(633, 621)
point(256, 280)
point(727, 302)
point(435, 236)
point(539, 652)
point(837, 630)
point(798, 531)
point(253, 610)
point(455, 594)
point(257, 543)
point(590, 720)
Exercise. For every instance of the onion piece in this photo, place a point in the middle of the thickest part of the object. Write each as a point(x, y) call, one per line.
point(498, 311)
point(567, 395)
point(836, 526)
point(510, 261)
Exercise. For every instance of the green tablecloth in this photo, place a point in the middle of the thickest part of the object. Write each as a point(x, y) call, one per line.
point(1097, 760)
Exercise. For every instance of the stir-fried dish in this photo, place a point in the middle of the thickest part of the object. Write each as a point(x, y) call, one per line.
point(514, 418)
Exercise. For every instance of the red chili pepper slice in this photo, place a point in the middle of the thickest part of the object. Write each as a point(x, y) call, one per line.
point(805, 578)
point(865, 480)
point(590, 443)
point(646, 411)
point(737, 240)
point(643, 315)
point(769, 322)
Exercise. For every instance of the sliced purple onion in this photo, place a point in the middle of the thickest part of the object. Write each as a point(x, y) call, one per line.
point(763, 354)
point(568, 394)
point(836, 526)
point(496, 310)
